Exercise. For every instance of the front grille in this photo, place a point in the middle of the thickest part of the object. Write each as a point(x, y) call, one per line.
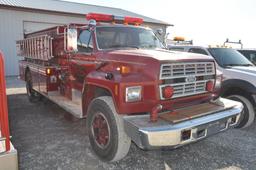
point(186, 78)
point(170, 71)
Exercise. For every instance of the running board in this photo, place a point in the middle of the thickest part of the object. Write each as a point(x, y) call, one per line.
point(73, 107)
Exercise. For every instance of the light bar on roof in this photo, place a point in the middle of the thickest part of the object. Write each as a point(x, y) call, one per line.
point(99, 17)
point(111, 18)
point(133, 20)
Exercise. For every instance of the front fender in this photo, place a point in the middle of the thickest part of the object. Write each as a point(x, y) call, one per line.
point(236, 83)
point(116, 87)
point(96, 80)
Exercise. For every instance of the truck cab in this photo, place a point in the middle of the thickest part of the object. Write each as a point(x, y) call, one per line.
point(119, 76)
point(238, 77)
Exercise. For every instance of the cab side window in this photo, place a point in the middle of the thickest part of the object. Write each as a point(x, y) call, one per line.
point(253, 58)
point(84, 41)
point(176, 49)
point(198, 51)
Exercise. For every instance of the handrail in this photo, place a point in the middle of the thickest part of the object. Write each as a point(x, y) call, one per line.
point(4, 122)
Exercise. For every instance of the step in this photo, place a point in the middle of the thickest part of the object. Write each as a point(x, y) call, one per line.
point(195, 111)
point(73, 107)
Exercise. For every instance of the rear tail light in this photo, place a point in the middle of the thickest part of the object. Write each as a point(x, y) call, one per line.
point(210, 86)
point(167, 92)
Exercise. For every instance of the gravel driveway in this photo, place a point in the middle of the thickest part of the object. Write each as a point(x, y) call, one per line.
point(47, 137)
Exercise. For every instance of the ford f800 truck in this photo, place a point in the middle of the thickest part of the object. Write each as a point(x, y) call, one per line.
point(117, 75)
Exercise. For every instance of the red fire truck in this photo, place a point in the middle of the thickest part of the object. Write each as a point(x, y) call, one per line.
point(119, 76)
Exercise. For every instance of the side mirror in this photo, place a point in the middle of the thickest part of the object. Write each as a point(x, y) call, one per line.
point(160, 31)
point(71, 40)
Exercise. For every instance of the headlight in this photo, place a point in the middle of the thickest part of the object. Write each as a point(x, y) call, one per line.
point(133, 94)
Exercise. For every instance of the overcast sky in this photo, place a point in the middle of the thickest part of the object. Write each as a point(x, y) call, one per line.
point(207, 22)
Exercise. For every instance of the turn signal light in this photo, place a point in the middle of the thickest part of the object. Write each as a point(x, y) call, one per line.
point(48, 71)
point(210, 86)
point(167, 92)
point(124, 69)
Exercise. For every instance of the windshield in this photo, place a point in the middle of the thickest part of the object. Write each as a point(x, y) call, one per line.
point(126, 37)
point(226, 57)
point(249, 54)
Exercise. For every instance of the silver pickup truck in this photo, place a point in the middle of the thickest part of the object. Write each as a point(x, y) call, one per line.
point(239, 77)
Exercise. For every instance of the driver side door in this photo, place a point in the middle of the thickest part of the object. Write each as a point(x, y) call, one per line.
point(83, 61)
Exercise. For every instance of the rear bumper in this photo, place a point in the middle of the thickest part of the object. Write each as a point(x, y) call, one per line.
point(148, 135)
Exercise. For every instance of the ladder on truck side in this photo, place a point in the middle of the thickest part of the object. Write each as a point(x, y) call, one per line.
point(8, 154)
point(39, 47)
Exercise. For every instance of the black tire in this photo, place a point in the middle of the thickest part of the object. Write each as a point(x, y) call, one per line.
point(248, 114)
point(33, 96)
point(117, 142)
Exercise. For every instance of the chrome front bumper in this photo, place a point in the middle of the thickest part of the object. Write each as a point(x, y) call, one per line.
point(148, 135)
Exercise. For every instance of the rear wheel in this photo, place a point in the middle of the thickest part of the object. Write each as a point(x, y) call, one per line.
point(248, 114)
point(33, 96)
point(106, 130)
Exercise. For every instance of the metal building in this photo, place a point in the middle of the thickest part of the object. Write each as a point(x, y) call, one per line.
point(18, 17)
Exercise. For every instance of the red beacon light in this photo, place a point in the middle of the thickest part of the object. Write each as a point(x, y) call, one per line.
point(133, 20)
point(100, 17)
point(111, 18)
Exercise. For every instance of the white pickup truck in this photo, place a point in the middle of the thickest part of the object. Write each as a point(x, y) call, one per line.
point(239, 81)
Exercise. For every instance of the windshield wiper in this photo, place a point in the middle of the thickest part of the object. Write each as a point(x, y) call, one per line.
point(230, 65)
point(245, 65)
point(132, 46)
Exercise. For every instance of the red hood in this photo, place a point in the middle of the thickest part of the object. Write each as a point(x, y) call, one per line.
point(160, 55)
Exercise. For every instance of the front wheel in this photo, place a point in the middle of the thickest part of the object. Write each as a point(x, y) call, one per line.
point(106, 130)
point(248, 114)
